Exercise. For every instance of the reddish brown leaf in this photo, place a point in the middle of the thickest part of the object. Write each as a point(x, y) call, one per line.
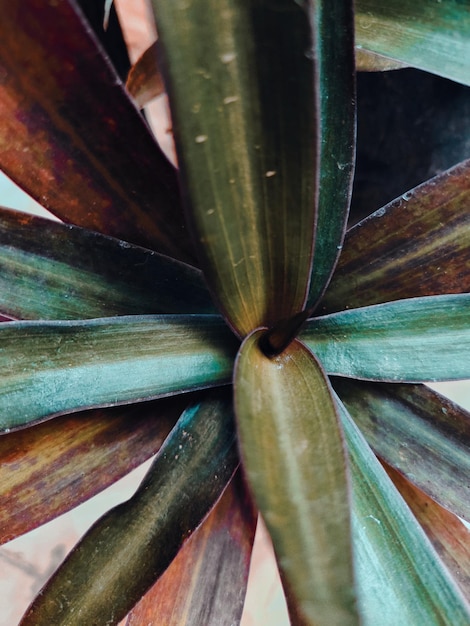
point(145, 81)
point(48, 469)
point(418, 245)
point(447, 533)
point(206, 582)
point(71, 137)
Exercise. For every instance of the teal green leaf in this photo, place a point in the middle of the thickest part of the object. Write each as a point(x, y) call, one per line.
point(418, 245)
point(125, 551)
point(334, 22)
point(56, 367)
point(50, 270)
point(241, 78)
point(293, 454)
point(400, 577)
point(431, 36)
point(420, 433)
point(414, 340)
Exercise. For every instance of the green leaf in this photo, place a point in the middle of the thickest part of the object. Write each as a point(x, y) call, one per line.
point(414, 340)
point(206, 582)
point(417, 245)
point(334, 22)
point(418, 432)
point(292, 450)
point(71, 137)
point(367, 61)
point(125, 551)
point(56, 367)
point(447, 533)
point(50, 468)
point(242, 87)
point(50, 270)
point(431, 36)
point(400, 578)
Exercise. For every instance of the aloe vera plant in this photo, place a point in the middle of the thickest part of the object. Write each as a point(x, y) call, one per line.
point(220, 316)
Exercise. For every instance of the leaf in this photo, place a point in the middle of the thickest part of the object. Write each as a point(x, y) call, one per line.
point(367, 61)
point(55, 367)
point(335, 49)
point(447, 533)
point(414, 340)
point(50, 270)
point(126, 550)
point(71, 137)
point(420, 433)
point(292, 451)
point(145, 81)
point(432, 36)
point(50, 468)
point(243, 75)
point(206, 582)
point(400, 577)
point(417, 245)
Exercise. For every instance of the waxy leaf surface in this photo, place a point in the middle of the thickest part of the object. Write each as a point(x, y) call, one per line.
point(65, 461)
point(71, 137)
point(420, 433)
point(292, 451)
point(414, 340)
point(418, 245)
point(400, 578)
point(55, 367)
point(144, 534)
point(206, 582)
point(334, 39)
point(242, 87)
point(50, 270)
point(431, 36)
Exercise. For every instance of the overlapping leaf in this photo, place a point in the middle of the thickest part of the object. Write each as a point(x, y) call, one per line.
point(68, 460)
point(418, 245)
point(449, 536)
point(242, 86)
point(292, 450)
point(400, 578)
point(71, 137)
point(432, 36)
point(55, 367)
point(50, 270)
point(414, 340)
point(417, 431)
point(125, 551)
point(206, 582)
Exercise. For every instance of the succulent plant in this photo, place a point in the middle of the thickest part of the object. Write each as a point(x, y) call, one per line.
point(220, 316)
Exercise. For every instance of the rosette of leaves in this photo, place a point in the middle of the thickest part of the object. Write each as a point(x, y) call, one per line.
point(132, 350)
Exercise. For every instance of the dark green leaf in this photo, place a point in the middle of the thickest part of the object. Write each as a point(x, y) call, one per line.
point(400, 577)
point(50, 468)
point(420, 433)
point(431, 36)
point(125, 552)
point(414, 340)
point(243, 96)
point(292, 450)
point(206, 582)
point(71, 137)
point(449, 536)
point(418, 245)
point(335, 49)
point(50, 270)
point(56, 367)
